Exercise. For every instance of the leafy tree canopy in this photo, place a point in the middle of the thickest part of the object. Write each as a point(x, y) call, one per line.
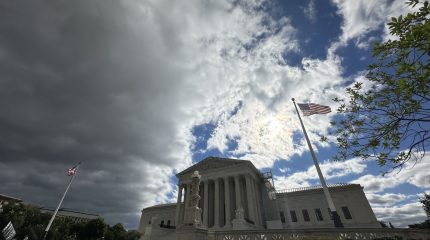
point(388, 116)
point(425, 201)
point(29, 221)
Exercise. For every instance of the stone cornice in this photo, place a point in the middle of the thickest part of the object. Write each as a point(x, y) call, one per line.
point(158, 206)
point(214, 167)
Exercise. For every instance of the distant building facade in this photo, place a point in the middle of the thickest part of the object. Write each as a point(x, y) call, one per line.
point(75, 216)
point(231, 190)
point(8, 199)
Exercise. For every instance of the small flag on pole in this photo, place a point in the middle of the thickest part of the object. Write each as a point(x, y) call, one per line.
point(312, 108)
point(72, 171)
point(9, 231)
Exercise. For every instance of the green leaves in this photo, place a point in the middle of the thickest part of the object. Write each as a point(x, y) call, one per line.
point(425, 201)
point(384, 120)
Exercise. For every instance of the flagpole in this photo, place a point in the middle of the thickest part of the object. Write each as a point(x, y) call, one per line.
point(336, 218)
point(59, 204)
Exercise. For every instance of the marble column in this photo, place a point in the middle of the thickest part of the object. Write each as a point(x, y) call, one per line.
point(237, 190)
point(227, 202)
point(206, 203)
point(216, 205)
point(178, 205)
point(187, 195)
point(259, 201)
point(256, 202)
point(250, 195)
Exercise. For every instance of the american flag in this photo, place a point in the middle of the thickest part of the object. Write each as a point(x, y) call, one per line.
point(72, 171)
point(312, 108)
point(9, 231)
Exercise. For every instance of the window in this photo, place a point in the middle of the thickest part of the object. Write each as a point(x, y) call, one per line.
point(168, 223)
point(162, 223)
point(293, 216)
point(330, 213)
point(318, 214)
point(282, 216)
point(306, 215)
point(149, 222)
point(346, 213)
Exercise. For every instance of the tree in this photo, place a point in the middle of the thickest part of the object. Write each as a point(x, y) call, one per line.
point(425, 201)
point(118, 232)
point(29, 221)
point(132, 235)
point(383, 224)
point(26, 219)
point(388, 116)
point(95, 229)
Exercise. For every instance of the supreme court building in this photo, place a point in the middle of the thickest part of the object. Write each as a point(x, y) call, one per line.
point(234, 195)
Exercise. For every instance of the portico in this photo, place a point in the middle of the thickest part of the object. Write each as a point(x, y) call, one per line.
point(227, 187)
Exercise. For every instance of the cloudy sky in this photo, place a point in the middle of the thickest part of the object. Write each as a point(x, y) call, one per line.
point(139, 90)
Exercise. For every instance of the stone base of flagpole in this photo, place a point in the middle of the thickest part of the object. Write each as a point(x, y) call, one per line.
point(336, 219)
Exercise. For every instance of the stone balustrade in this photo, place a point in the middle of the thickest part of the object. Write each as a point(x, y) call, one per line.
point(321, 234)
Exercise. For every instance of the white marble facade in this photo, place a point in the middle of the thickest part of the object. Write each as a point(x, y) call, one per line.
point(234, 196)
point(226, 185)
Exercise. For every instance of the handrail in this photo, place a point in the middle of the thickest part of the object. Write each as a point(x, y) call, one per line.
point(313, 187)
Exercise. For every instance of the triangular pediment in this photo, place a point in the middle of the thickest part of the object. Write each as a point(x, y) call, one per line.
point(211, 163)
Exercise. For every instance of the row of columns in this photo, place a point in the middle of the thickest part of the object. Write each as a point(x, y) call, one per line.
point(246, 198)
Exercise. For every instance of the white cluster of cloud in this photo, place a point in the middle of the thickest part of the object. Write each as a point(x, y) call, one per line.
point(310, 11)
point(264, 125)
point(361, 17)
point(401, 215)
point(416, 175)
point(385, 199)
point(285, 170)
point(330, 170)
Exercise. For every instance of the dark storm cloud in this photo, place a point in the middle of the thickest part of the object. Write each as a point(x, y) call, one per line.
point(85, 81)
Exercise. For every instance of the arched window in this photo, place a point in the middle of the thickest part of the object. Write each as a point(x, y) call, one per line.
point(168, 223)
point(162, 223)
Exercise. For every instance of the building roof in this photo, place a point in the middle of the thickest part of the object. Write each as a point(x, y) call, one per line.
point(318, 187)
point(221, 162)
point(70, 211)
point(6, 197)
point(161, 206)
